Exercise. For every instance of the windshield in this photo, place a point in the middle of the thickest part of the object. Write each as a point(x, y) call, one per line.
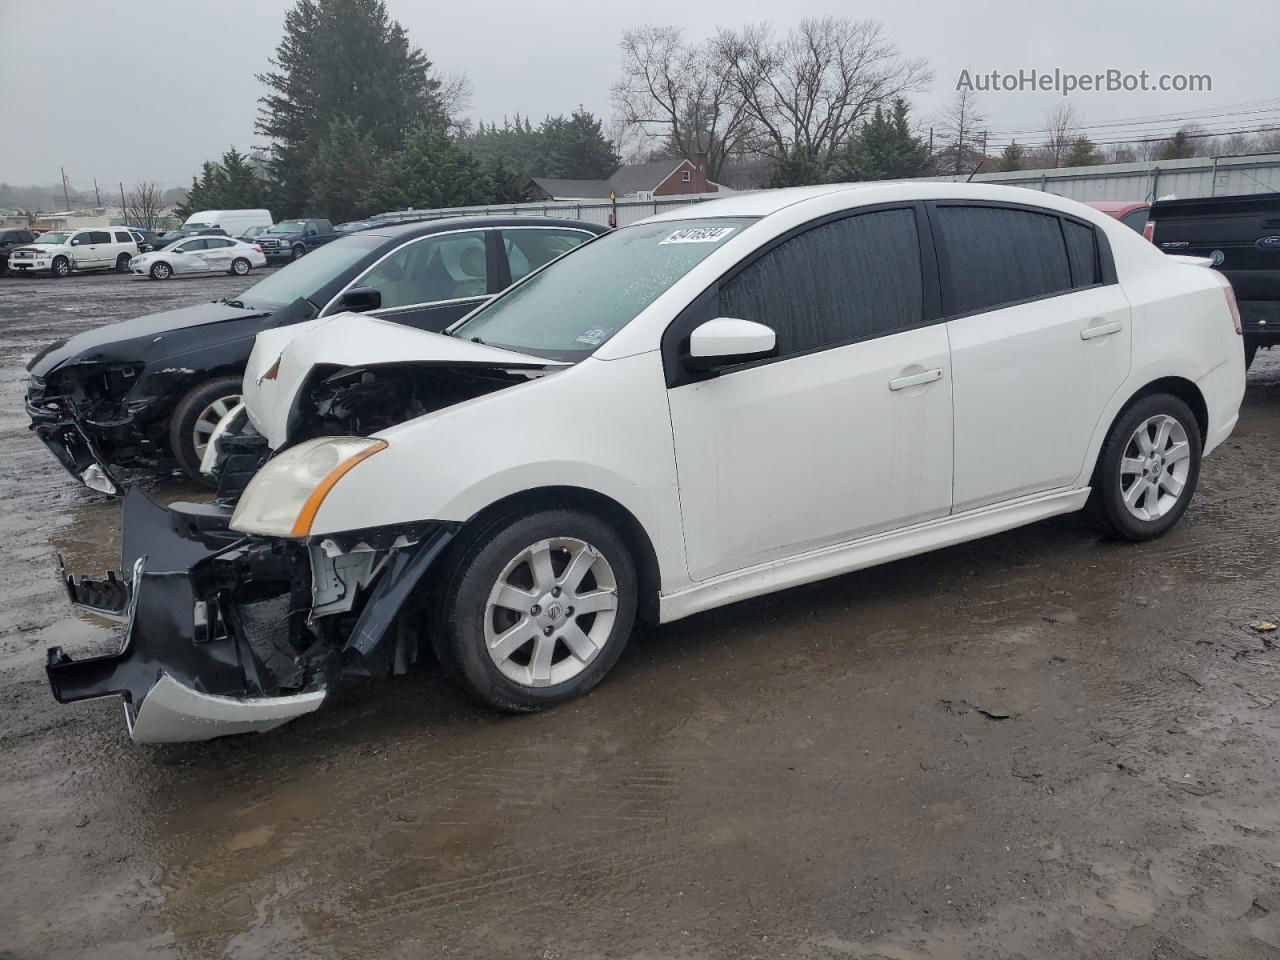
point(570, 308)
point(287, 228)
point(302, 278)
point(53, 236)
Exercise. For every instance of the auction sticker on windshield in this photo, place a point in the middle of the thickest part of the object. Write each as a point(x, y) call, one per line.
point(699, 235)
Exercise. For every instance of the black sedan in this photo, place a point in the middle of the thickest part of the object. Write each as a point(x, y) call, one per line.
point(149, 391)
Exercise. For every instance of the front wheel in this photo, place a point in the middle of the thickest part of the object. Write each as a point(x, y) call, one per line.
point(240, 266)
point(161, 271)
point(61, 267)
point(299, 252)
point(194, 419)
point(534, 610)
point(1148, 468)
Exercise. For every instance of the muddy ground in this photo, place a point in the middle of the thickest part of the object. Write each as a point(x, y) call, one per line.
point(1035, 746)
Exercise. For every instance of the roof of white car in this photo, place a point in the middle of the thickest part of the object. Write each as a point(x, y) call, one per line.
point(764, 202)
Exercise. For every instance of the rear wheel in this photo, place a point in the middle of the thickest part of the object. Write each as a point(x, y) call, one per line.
point(161, 271)
point(535, 609)
point(1148, 468)
point(240, 266)
point(61, 267)
point(194, 419)
point(122, 263)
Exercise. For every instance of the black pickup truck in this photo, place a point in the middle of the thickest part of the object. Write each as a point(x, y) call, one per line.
point(291, 239)
point(1241, 236)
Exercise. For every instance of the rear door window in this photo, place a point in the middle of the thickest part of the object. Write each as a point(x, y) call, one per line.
point(850, 279)
point(99, 236)
point(529, 249)
point(995, 256)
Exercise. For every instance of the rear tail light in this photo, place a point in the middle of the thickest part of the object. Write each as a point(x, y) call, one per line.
point(1232, 305)
point(1149, 231)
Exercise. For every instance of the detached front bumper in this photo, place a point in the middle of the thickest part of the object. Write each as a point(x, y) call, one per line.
point(232, 634)
point(70, 445)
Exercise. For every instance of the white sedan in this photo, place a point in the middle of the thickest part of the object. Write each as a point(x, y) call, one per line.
point(199, 255)
point(719, 402)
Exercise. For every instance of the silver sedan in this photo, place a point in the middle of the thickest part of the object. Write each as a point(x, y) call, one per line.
point(199, 255)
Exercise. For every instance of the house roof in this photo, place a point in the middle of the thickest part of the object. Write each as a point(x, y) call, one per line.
point(627, 179)
point(573, 189)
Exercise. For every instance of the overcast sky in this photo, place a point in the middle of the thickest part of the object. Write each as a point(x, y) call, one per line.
point(147, 89)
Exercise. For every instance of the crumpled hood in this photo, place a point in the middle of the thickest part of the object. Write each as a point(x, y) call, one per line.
point(117, 341)
point(352, 340)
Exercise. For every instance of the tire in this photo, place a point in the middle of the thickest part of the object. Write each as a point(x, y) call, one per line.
point(196, 408)
point(161, 270)
point(240, 267)
point(1250, 351)
point(464, 619)
point(122, 263)
point(298, 253)
point(1117, 477)
point(60, 268)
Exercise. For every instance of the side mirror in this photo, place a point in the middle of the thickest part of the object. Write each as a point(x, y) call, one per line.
point(727, 340)
point(359, 299)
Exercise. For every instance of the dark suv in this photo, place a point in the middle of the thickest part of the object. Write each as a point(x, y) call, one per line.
point(150, 391)
point(11, 237)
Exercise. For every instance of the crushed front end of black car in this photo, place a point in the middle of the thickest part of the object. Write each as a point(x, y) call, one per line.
point(226, 633)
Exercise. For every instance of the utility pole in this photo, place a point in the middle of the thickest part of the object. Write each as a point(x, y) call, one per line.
point(96, 192)
point(65, 198)
point(123, 214)
point(931, 141)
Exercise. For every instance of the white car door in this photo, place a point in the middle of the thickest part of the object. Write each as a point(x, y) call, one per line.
point(188, 256)
point(89, 248)
point(217, 253)
point(1040, 341)
point(845, 434)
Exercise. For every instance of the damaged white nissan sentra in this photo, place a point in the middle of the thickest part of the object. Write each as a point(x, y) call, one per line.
point(719, 402)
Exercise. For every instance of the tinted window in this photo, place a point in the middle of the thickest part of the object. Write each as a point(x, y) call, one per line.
point(191, 246)
point(527, 250)
point(997, 256)
point(122, 236)
point(99, 236)
point(215, 243)
point(1082, 251)
point(448, 267)
point(1136, 221)
point(852, 278)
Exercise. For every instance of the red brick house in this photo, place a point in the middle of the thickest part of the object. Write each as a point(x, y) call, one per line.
point(658, 178)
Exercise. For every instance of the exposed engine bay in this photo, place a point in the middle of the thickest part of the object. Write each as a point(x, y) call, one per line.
point(359, 401)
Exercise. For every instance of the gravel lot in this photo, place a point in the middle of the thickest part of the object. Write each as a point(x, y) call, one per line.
point(1039, 745)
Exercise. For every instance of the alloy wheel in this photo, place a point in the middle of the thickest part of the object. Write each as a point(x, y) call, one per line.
point(208, 420)
point(1154, 468)
point(550, 612)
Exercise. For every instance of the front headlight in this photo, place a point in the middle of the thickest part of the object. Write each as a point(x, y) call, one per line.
point(283, 497)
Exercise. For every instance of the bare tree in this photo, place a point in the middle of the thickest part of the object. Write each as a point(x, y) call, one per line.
point(1061, 124)
point(961, 127)
point(143, 206)
point(680, 92)
point(455, 97)
point(805, 92)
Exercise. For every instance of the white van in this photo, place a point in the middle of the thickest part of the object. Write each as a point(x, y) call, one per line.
point(234, 222)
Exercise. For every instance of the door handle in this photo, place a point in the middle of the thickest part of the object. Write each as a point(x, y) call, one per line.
point(916, 379)
point(1099, 329)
